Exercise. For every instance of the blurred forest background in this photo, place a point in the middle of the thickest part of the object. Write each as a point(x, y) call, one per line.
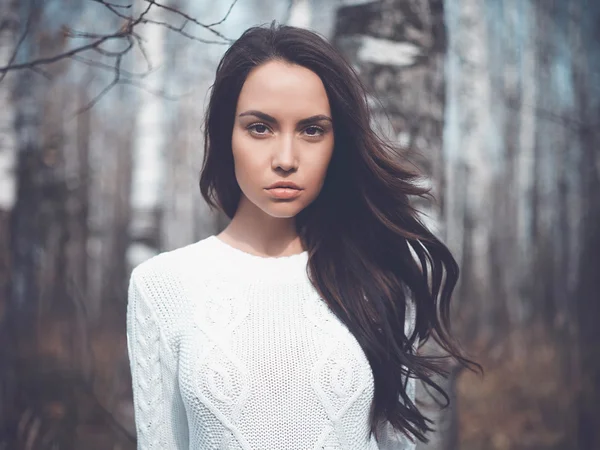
point(498, 101)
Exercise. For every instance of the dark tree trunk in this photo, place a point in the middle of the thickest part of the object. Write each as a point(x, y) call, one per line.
point(586, 298)
point(399, 49)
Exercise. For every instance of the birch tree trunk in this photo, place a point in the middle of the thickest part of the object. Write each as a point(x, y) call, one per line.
point(186, 217)
point(398, 48)
point(148, 146)
point(9, 27)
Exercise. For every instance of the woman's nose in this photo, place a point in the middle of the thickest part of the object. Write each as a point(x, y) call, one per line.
point(284, 152)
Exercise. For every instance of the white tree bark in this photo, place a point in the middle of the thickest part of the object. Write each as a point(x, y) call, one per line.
point(470, 151)
point(149, 145)
point(9, 26)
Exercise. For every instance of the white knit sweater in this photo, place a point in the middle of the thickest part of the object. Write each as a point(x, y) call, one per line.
point(230, 350)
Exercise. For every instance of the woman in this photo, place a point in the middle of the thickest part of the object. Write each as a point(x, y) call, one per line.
point(292, 328)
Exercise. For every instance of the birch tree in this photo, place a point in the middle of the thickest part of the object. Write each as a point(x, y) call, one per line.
point(70, 118)
point(9, 26)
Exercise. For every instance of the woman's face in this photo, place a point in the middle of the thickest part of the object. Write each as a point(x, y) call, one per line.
point(282, 132)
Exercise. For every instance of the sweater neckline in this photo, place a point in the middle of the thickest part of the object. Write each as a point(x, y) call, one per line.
point(255, 266)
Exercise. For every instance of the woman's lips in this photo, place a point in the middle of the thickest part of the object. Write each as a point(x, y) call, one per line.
point(285, 193)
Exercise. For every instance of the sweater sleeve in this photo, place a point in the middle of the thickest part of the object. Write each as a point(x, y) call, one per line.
point(160, 418)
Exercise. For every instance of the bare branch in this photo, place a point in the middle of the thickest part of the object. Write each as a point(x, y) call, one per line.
point(142, 16)
point(125, 32)
point(189, 18)
point(72, 33)
point(183, 33)
point(115, 54)
point(101, 65)
point(20, 42)
point(104, 91)
point(52, 59)
point(37, 70)
point(143, 50)
point(113, 5)
point(226, 15)
point(118, 79)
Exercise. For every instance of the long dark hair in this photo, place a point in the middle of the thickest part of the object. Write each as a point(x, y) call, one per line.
point(368, 251)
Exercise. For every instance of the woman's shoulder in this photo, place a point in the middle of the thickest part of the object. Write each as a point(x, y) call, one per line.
point(170, 262)
point(170, 279)
point(171, 270)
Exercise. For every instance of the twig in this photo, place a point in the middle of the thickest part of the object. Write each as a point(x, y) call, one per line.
point(52, 59)
point(127, 32)
point(116, 54)
point(226, 15)
point(101, 65)
point(37, 70)
point(21, 39)
point(113, 5)
point(189, 18)
point(118, 79)
point(112, 84)
point(183, 33)
point(143, 51)
point(124, 32)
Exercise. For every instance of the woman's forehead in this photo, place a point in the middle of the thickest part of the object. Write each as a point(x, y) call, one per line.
point(281, 88)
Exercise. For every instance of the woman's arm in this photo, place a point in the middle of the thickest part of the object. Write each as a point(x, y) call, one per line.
point(160, 418)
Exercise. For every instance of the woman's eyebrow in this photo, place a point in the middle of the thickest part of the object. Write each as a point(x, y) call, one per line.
point(271, 119)
point(312, 119)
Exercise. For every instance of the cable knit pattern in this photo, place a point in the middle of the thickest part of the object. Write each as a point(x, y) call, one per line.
point(234, 351)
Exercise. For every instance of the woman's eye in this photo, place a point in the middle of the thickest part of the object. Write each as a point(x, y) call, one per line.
point(314, 131)
point(258, 128)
